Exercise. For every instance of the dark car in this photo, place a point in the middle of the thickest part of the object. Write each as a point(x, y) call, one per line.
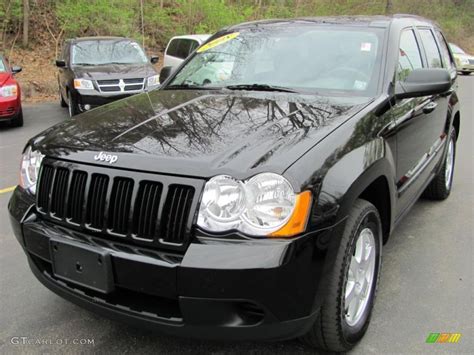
point(254, 206)
point(10, 94)
point(97, 70)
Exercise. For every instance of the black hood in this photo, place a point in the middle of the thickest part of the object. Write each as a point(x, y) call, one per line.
point(200, 133)
point(114, 71)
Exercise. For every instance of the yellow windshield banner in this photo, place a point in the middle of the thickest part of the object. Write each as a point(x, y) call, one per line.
point(217, 42)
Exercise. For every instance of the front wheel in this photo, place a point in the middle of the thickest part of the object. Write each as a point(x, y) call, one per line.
point(18, 120)
point(72, 105)
point(466, 72)
point(440, 187)
point(345, 313)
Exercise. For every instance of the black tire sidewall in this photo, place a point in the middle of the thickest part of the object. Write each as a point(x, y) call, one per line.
point(370, 219)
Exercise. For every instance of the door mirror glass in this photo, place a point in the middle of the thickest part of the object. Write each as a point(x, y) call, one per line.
point(165, 73)
point(60, 63)
point(154, 59)
point(423, 82)
point(16, 69)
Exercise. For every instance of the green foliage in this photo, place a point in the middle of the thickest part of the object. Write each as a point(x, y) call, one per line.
point(165, 18)
point(98, 17)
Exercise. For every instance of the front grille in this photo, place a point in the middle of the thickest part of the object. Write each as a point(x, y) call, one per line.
point(141, 208)
point(121, 85)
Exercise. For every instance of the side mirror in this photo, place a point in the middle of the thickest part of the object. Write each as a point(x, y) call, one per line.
point(424, 82)
point(165, 73)
point(16, 69)
point(154, 59)
point(60, 63)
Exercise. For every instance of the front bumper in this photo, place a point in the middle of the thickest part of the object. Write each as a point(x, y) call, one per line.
point(233, 290)
point(9, 107)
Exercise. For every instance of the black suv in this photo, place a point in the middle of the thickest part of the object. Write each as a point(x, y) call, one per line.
point(97, 70)
point(249, 197)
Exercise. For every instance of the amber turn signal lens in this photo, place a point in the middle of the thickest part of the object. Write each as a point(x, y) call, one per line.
point(297, 222)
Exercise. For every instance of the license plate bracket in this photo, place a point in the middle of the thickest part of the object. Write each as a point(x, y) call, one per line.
point(81, 264)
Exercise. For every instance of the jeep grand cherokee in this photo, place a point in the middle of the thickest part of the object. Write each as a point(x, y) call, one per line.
point(250, 196)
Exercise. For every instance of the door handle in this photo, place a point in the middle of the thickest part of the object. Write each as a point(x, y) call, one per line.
point(430, 107)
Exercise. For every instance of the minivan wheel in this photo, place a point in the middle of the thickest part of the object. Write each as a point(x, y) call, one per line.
point(440, 187)
point(345, 313)
point(72, 105)
point(61, 100)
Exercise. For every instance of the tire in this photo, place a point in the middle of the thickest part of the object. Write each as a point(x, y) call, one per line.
point(72, 105)
point(61, 100)
point(18, 120)
point(335, 329)
point(466, 72)
point(440, 187)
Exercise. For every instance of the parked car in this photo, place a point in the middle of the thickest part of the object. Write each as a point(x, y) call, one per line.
point(254, 206)
point(97, 70)
point(464, 61)
point(180, 47)
point(10, 94)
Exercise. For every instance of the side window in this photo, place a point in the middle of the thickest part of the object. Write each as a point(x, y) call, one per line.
point(409, 55)
point(173, 48)
point(431, 48)
point(184, 48)
point(448, 60)
point(193, 46)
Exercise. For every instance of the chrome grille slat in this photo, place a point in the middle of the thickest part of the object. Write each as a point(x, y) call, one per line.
point(142, 208)
point(121, 85)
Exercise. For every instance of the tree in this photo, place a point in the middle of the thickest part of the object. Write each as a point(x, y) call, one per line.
point(388, 7)
point(26, 21)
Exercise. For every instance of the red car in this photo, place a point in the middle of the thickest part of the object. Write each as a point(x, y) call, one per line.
point(10, 94)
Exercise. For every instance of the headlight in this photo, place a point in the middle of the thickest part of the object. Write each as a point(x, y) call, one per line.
point(265, 205)
point(83, 84)
point(153, 80)
point(30, 164)
point(9, 91)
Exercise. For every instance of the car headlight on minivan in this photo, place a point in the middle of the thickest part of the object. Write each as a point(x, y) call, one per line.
point(264, 205)
point(153, 81)
point(30, 165)
point(83, 84)
point(464, 60)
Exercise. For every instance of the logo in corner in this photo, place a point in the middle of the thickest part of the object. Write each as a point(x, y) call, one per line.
point(109, 158)
point(443, 338)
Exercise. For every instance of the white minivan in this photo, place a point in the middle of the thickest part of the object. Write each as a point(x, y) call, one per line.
point(180, 47)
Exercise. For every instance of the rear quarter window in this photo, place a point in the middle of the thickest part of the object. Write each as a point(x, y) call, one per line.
point(447, 58)
point(431, 48)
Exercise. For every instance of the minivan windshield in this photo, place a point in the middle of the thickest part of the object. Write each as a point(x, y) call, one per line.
point(100, 52)
point(324, 58)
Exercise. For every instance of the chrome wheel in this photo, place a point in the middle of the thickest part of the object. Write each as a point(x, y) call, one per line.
point(448, 177)
point(360, 277)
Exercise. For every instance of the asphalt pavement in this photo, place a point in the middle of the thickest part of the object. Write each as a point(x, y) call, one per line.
point(426, 283)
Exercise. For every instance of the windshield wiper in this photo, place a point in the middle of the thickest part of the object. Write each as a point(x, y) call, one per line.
point(188, 87)
point(86, 64)
point(259, 87)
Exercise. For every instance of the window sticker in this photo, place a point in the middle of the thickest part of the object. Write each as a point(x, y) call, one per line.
point(360, 85)
point(217, 42)
point(365, 47)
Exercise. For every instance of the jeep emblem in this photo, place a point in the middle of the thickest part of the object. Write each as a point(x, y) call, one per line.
point(110, 158)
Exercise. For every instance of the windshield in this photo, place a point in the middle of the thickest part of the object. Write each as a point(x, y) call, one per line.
point(306, 58)
point(455, 49)
point(107, 52)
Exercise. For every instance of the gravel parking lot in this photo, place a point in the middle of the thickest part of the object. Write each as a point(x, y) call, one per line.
point(426, 282)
